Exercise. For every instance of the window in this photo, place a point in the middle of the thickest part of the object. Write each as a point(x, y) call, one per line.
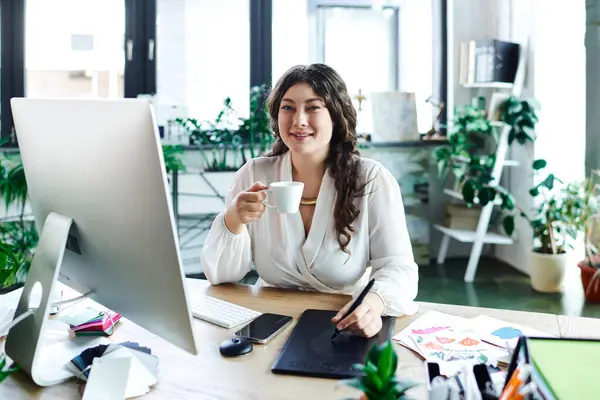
point(203, 56)
point(375, 48)
point(290, 40)
point(361, 44)
point(74, 48)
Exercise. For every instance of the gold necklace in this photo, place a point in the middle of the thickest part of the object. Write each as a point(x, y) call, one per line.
point(308, 202)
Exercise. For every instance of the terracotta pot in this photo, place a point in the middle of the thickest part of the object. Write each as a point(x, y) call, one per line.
point(587, 272)
point(547, 271)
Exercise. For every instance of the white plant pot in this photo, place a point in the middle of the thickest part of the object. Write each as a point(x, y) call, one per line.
point(547, 271)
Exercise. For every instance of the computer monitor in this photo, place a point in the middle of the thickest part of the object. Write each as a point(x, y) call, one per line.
point(99, 193)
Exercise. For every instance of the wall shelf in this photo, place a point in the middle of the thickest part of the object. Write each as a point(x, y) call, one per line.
point(467, 236)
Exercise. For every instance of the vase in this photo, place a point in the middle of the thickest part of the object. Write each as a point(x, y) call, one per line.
point(587, 272)
point(547, 271)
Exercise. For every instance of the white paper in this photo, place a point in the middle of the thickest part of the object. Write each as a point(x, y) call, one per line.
point(449, 341)
point(108, 379)
point(140, 379)
point(502, 333)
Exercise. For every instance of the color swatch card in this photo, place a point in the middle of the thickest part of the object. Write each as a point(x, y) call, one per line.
point(142, 373)
point(91, 322)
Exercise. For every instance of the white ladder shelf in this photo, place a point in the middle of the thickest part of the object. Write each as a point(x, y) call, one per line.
point(481, 236)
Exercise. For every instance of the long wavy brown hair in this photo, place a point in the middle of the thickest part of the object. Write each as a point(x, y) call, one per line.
point(342, 160)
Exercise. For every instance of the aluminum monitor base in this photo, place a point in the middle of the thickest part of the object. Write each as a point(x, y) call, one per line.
point(25, 342)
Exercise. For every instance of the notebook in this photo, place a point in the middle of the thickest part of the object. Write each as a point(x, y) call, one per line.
point(568, 367)
point(562, 368)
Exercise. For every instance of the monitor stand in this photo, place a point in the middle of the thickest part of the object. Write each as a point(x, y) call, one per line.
point(26, 345)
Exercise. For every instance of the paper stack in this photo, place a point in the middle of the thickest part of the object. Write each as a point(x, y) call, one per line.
point(453, 341)
point(143, 370)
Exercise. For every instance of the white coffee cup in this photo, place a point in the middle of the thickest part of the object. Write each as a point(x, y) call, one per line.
point(285, 196)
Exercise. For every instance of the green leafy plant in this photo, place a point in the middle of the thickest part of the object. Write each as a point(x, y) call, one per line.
point(173, 158)
point(380, 381)
point(4, 371)
point(225, 139)
point(464, 142)
point(560, 214)
point(18, 236)
point(522, 117)
point(256, 129)
point(470, 160)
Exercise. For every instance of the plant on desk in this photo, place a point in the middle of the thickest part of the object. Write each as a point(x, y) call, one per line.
point(379, 381)
point(4, 371)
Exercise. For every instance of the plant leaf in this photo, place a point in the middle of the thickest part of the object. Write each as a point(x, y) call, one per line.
point(549, 181)
point(372, 379)
point(534, 191)
point(468, 191)
point(508, 224)
point(386, 365)
point(539, 164)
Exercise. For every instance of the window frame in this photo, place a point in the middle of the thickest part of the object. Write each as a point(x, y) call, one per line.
point(318, 49)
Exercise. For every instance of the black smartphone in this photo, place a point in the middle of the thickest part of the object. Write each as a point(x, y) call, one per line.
point(264, 327)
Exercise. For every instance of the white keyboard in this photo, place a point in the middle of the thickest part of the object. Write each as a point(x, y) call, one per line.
point(220, 312)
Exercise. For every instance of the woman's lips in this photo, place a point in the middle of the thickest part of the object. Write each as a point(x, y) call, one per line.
point(301, 135)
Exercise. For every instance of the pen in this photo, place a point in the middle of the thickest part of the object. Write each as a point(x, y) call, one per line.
point(356, 303)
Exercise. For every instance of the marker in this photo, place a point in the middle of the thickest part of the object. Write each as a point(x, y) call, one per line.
point(519, 376)
point(525, 391)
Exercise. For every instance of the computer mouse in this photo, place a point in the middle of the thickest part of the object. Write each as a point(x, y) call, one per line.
point(235, 347)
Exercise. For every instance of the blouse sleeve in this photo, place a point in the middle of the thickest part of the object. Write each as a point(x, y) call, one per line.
point(227, 257)
point(393, 266)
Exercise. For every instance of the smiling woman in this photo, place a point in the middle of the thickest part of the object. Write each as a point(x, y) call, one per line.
point(351, 226)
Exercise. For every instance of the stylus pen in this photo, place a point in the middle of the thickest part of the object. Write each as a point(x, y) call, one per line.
point(356, 303)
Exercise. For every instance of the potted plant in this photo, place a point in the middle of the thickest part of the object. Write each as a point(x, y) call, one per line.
point(559, 216)
point(379, 380)
point(590, 265)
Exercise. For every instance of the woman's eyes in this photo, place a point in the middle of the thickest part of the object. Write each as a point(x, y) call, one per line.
point(290, 108)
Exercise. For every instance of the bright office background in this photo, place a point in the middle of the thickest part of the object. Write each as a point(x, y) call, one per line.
point(74, 48)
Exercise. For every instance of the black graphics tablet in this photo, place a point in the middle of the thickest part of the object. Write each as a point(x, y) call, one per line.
point(309, 351)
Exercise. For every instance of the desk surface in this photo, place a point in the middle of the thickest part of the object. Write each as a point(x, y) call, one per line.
point(210, 376)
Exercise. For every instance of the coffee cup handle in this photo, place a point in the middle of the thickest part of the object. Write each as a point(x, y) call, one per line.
point(267, 191)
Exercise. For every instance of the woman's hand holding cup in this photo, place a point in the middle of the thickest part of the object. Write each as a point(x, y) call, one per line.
point(246, 207)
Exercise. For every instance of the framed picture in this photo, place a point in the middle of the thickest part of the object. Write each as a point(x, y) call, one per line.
point(394, 117)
